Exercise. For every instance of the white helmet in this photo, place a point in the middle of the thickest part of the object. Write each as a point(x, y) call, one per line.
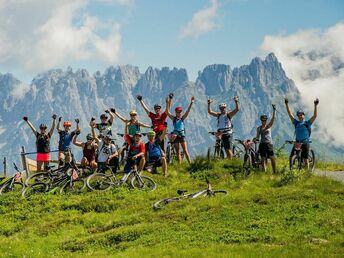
point(222, 105)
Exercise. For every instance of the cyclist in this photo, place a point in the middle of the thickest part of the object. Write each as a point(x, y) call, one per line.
point(178, 134)
point(107, 152)
point(133, 124)
point(42, 143)
point(265, 148)
point(154, 155)
point(136, 151)
point(224, 124)
point(158, 119)
point(302, 130)
point(104, 127)
point(89, 149)
point(65, 155)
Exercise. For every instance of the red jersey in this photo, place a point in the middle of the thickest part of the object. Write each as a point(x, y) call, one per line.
point(158, 121)
point(134, 148)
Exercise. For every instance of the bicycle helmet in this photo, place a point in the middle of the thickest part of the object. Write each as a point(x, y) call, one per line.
point(264, 117)
point(108, 136)
point(103, 116)
point(133, 113)
point(300, 112)
point(151, 133)
point(178, 109)
point(222, 105)
point(138, 133)
point(43, 126)
point(67, 123)
point(156, 106)
point(89, 137)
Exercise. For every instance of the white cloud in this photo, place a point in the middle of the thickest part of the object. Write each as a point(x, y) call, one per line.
point(314, 59)
point(117, 2)
point(37, 35)
point(203, 21)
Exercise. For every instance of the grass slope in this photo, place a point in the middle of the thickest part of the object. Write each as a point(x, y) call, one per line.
point(284, 215)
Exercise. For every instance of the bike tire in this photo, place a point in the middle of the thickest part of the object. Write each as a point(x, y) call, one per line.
point(169, 154)
point(75, 186)
point(219, 193)
point(163, 202)
point(34, 189)
point(144, 183)
point(40, 177)
point(17, 187)
point(311, 158)
point(99, 182)
point(247, 165)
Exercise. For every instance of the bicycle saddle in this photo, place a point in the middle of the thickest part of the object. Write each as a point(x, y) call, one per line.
point(181, 192)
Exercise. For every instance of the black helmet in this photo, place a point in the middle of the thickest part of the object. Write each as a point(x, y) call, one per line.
point(157, 106)
point(43, 126)
point(263, 117)
point(89, 137)
point(103, 116)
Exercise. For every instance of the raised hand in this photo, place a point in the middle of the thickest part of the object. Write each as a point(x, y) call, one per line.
point(25, 118)
point(113, 110)
point(316, 101)
point(77, 120)
point(60, 118)
point(210, 101)
point(171, 95)
point(274, 106)
point(192, 99)
point(236, 98)
point(139, 97)
point(54, 116)
point(107, 111)
point(286, 101)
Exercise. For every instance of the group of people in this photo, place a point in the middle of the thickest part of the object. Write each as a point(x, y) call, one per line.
point(99, 150)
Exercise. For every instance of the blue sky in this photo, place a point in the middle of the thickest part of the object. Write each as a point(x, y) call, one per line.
point(149, 32)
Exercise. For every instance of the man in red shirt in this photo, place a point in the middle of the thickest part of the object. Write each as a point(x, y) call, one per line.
point(158, 119)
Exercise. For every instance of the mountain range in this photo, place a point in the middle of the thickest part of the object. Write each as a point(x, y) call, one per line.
point(78, 94)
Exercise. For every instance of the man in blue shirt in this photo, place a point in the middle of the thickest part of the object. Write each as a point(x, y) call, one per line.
point(302, 129)
point(155, 156)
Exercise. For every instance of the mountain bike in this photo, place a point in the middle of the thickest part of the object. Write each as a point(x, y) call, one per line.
point(171, 151)
point(208, 192)
point(251, 155)
point(296, 162)
point(218, 151)
point(14, 184)
point(102, 181)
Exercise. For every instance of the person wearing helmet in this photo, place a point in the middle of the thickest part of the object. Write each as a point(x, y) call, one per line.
point(302, 129)
point(264, 137)
point(42, 143)
point(104, 127)
point(158, 119)
point(155, 156)
point(89, 149)
point(178, 134)
point(136, 151)
point(107, 151)
point(134, 124)
point(224, 124)
point(66, 137)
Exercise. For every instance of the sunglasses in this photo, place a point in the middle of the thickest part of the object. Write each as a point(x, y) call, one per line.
point(264, 120)
point(89, 139)
point(133, 115)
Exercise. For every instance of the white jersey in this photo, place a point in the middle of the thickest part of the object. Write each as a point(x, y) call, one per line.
point(224, 123)
point(105, 151)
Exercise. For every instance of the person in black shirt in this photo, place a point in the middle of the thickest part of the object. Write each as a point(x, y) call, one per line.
point(42, 142)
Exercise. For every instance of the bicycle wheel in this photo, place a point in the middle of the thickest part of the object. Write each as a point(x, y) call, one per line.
point(169, 154)
point(295, 162)
point(218, 193)
point(75, 186)
point(311, 158)
point(161, 203)
point(15, 188)
point(40, 177)
point(99, 182)
point(247, 165)
point(36, 188)
point(143, 183)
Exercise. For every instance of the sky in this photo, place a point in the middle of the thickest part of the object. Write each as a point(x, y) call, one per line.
point(37, 35)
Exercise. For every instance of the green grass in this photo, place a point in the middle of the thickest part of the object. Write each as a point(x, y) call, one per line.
point(330, 166)
point(264, 215)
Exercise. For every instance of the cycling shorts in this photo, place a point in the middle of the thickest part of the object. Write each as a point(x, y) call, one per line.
point(266, 150)
point(227, 141)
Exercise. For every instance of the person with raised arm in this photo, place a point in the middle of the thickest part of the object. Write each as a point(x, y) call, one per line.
point(302, 129)
point(264, 137)
point(104, 127)
point(178, 134)
point(107, 151)
point(158, 119)
point(42, 143)
point(65, 140)
point(134, 124)
point(224, 124)
point(89, 149)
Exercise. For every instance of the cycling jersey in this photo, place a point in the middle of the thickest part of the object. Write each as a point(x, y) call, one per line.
point(133, 128)
point(89, 154)
point(224, 123)
point(104, 128)
point(65, 140)
point(43, 142)
point(158, 121)
point(134, 148)
point(179, 128)
point(302, 129)
point(105, 151)
point(154, 149)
